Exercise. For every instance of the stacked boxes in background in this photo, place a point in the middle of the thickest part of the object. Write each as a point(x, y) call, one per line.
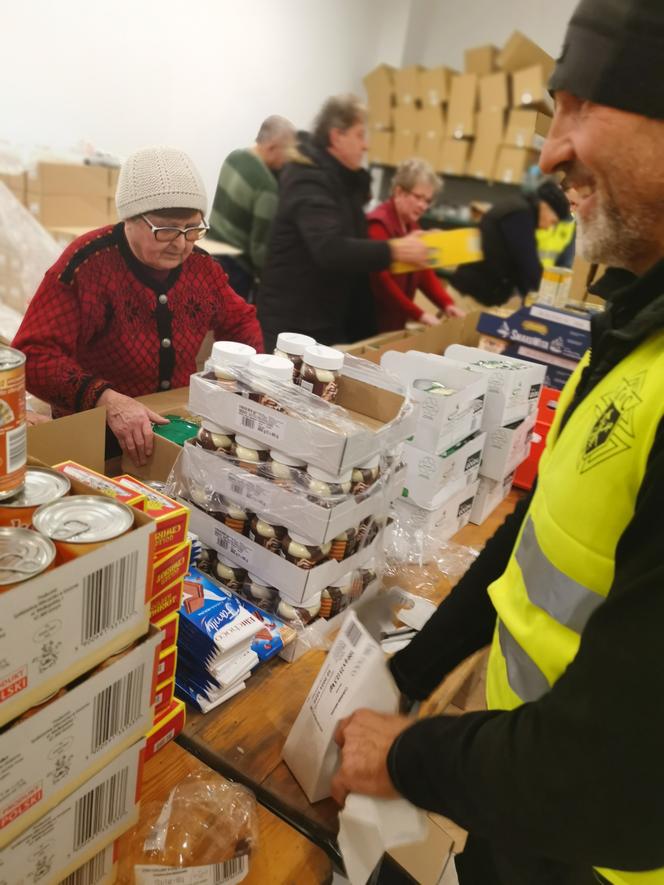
point(77, 681)
point(488, 122)
point(71, 194)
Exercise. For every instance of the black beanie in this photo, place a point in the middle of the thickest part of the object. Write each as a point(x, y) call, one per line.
point(613, 55)
point(549, 192)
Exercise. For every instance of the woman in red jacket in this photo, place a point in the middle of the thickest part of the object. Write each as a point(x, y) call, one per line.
point(414, 186)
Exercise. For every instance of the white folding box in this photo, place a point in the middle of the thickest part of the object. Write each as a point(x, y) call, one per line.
point(442, 421)
point(76, 829)
point(443, 520)
point(489, 495)
point(506, 447)
point(512, 394)
point(430, 477)
point(67, 741)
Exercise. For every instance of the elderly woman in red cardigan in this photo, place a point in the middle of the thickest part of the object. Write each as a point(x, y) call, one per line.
point(414, 187)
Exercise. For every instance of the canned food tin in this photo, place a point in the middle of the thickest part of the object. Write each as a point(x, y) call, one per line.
point(82, 523)
point(13, 447)
point(41, 486)
point(23, 555)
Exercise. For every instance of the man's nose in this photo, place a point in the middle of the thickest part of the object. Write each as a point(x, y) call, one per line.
point(558, 147)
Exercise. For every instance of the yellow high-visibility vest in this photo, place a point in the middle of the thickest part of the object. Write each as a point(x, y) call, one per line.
point(552, 241)
point(563, 562)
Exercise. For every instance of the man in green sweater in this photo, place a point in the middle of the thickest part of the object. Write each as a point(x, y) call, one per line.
point(246, 200)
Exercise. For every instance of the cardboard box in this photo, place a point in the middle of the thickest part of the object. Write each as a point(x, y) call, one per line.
point(563, 333)
point(490, 127)
point(167, 726)
point(428, 148)
point(495, 92)
point(56, 179)
point(167, 663)
point(67, 741)
point(521, 52)
point(297, 586)
point(170, 567)
point(76, 829)
point(453, 156)
point(445, 517)
point(482, 160)
point(506, 447)
point(427, 861)
point(379, 85)
point(513, 163)
point(434, 86)
point(430, 123)
point(380, 148)
point(168, 625)
point(530, 89)
point(101, 869)
point(558, 369)
point(407, 85)
point(527, 129)
point(462, 106)
point(403, 148)
point(431, 479)
point(481, 60)
point(171, 518)
point(442, 421)
point(489, 494)
point(406, 120)
point(294, 511)
point(80, 210)
point(166, 603)
point(511, 395)
point(448, 248)
point(65, 621)
point(555, 287)
point(383, 419)
point(100, 484)
point(17, 184)
point(164, 696)
point(80, 437)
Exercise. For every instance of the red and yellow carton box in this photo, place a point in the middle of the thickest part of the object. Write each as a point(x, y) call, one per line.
point(167, 602)
point(166, 665)
point(166, 727)
point(172, 518)
point(169, 626)
point(163, 697)
point(170, 566)
point(100, 484)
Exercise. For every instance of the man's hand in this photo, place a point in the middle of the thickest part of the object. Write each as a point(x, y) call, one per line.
point(131, 422)
point(453, 311)
point(365, 739)
point(429, 319)
point(410, 250)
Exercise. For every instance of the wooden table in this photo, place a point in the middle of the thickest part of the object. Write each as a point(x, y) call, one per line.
point(243, 738)
point(283, 856)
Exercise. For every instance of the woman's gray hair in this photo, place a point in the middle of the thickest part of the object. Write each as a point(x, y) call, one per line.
point(338, 112)
point(412, 171)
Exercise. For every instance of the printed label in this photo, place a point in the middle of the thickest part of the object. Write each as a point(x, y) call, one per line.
point(253, 494)
point(94, 871)
point(268, 428)
point(231, 545)
point(226, 873)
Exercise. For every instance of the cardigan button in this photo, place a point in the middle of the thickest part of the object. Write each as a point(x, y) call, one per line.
point(165, 342)
point(165, 385)
point(163, 299)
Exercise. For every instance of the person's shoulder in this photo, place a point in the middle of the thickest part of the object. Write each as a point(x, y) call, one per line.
point(85, 248)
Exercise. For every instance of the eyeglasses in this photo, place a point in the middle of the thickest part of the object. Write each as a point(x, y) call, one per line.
point(421, 198)
point(169, 234)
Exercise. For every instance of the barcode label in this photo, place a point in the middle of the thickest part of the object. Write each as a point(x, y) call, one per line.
point(248, 492)
point(91, 872)
point(17, 450)
point(249, 423)
point(267, 425)
point(100, 808)
point(117, 708)
point(236, 550)
point(108, 597)
point(228, 873)
point(353, 633)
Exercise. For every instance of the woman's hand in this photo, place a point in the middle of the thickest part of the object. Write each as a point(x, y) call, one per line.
point(429, 319)
point(453, 311)
point(410, 250)
point(131, 422)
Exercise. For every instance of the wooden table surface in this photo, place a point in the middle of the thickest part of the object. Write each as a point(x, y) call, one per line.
point(243, 738)
point(283, 857)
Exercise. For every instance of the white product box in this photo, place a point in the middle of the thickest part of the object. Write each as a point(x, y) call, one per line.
point(366, 420)
point(506, 447)
point(296, 585)
point(67, 620)
point(442, 521)
point(512, 394)
point(489, 495)
point(442, 421)
point(259, 494)
point(431, 479)
point(47, 755)
point(102, 869)
point(73, 832)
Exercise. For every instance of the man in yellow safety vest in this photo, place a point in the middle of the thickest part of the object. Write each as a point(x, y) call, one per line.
point(561, 780)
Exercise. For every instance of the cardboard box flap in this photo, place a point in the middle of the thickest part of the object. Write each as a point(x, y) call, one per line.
point(522, 52)
point(80, 437)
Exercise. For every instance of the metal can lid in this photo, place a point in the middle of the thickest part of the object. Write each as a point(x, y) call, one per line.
point(40, 486)
point(11, 358)
point(23, 555)
point(83, 519)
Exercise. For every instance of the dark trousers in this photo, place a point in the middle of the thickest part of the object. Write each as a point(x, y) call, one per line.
point(239, 278)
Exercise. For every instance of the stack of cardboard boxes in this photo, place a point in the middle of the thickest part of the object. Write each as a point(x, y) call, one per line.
point(488, 122)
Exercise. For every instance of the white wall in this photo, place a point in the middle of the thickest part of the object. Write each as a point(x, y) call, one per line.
point(199, 75)
point(440, 30)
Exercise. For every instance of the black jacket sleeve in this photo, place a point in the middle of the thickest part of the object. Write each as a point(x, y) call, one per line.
point(320, 224)
point(519, 232)
point(576, 776)
point(464, 621)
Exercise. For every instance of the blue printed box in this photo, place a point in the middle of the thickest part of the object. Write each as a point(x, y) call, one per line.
point(562, 333)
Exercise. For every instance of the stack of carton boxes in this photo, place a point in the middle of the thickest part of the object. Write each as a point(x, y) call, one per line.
point(78, 665)
point(510, 411)
point(71, 195)
point(488, 122)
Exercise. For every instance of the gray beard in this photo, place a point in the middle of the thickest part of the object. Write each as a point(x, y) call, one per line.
point(611, 239)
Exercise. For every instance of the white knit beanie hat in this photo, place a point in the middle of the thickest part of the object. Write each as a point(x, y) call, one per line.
point(159, 178)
